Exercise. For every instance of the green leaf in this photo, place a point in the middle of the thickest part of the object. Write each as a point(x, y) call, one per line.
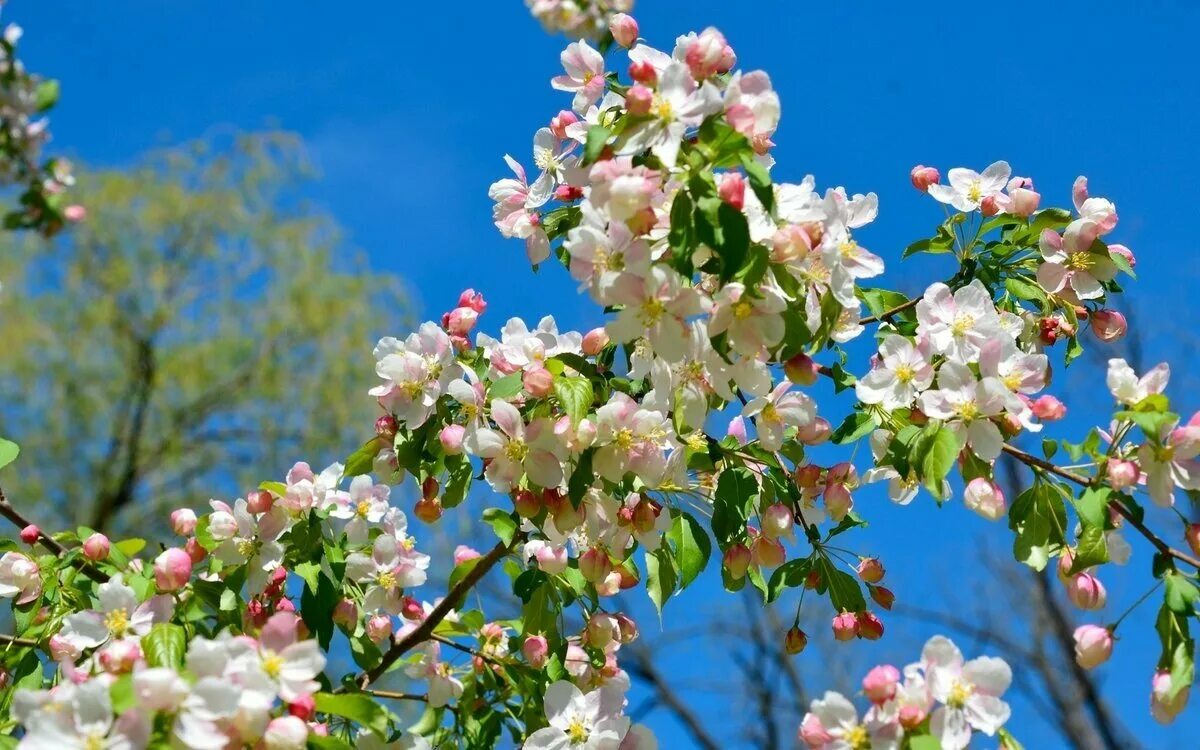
point(661, 577)
point(165, 645)
point(8, 452)
point(1091, 550)
point(1039, 518)
point(1122, 264)
point(506, 387)
point(734, 240)
point(1049, 448)
point(736, 489)
point(362, 460)
point(575, 394)
point(1092, 506)
point(692, 546)
point(1151, 423)
point(939, 450)
point(317, 742)
point(1007, 741)
point(1024, 289)
point(790, 575)
point(361, 709)
point(924, 742)
point(760, 181)
point(316, 608)
point(856, 426)
point(502, 523)
point(844, 591)
point(1181, 594)
point(310, 572)
point(46, 95)
point(459, 471)
point(597, 138)
point(879, 301)
point(581, 478)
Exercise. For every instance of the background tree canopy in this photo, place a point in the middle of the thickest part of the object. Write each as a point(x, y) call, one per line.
point(202, 327)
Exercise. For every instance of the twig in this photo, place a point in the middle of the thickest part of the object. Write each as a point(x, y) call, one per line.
point(51, 544)
point(889, 313)
point(12, 640)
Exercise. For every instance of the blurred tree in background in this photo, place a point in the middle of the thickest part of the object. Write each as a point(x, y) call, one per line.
point(203, 326)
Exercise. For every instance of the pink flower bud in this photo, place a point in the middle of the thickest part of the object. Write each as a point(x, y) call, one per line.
point(989, 206)
point(767, 553)
point(469, 297)
point(379, 628)
point(1125, 253)
point(1109, 325)
point(813, 732)
point(732, 189)
point(538, 383)
point(709, 54)
point(627, 629)
point(536, 650)
point(259, 501)
point(345, 614)
point(183, 521)
point(985, 498)
point(120, 656)
point(193, 548)
point(737, 430)
point(777, 521)
point(30, 534)
point(285, 605)
point(462, 553)
point(870, 570)
point(62, 650)
point(922, 177)
point(303, 708)
point(795, 640)
point(801, 370)
point(96, 547)
point(594, 564)
point(601, 629)
point(644, 73)
point(911, 716)
point(451, 437)
point(870, 627)
point(737, 561)
point(75, 213)
point(558, 126)
point(1163, 707)
point(172, 569)
point(624, 29)
point(527, 504)
point(568, 193)
point(838, 500)
point(1122, 474)
point(1023, 202)
point(880, 684)
point(286, 733)
point(594, 341)
point(882, 596)
point(1093, 645)
point(845, 626)
point(1048, 408)
point(1086, 592)
point(411, 609)
point(428, 509)
point(815, 432)
point(639, 100)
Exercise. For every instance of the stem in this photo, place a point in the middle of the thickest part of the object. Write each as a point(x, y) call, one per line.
point(12, 640)
point(20, 521)
point(889, 313)
point(1134, 606)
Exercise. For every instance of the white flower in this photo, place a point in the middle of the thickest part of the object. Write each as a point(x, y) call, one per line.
point(119, 615)
point(959, 323)
point(752, 319)
point(578, 721)
point(254, 543)
point(1069, 261)
point(630, 438)
point(584, 68)
point(1170, 461)
point(288, 665)
point(20, 577)
point(656, 307)
point(774, 413)
point(971, 693)
point(967, 405)
point(364, 505)
point(968, 188)
point(902, 374)
point(517, 449)
point(522, 349)
point(835, 717)
point(1128, 389)
point(78, 717)
point(390, 569)
point(444, 687)
point(678, 104)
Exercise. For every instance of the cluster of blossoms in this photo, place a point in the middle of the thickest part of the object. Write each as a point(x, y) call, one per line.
point(722, 288)
point(941, 696)
point(579, 19)
point(24, 129)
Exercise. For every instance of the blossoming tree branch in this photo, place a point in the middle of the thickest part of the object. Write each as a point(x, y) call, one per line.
point(673, 438)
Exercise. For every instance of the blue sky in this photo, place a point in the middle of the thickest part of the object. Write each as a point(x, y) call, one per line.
point(410, 107)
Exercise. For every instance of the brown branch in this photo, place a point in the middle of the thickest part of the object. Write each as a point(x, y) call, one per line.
point(51, 544)
point(423, 631)
point(12, 640)
point(889, 313)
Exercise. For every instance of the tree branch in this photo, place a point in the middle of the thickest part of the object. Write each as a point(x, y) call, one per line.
point(20, 521)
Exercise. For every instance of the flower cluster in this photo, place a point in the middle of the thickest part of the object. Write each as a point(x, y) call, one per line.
point(941, 696)
point(578, 19)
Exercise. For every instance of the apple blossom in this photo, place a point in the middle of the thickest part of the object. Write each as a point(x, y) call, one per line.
point(967, 188)
point(1093, 645)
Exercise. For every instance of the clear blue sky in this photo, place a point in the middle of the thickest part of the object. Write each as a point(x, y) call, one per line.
point(409, 108)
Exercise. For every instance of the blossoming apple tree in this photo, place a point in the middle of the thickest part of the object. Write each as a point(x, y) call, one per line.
point(673, 438)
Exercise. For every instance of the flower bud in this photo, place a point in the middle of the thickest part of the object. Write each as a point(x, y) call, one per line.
point(194, 549)
point(732, 189)
point(538, 383)
point(1086, 592)
point(1125, 253)
point(1023, 202)
point(451, 437)
point(801, 370)
point(880, 684)
point(1109, 325)
point(558, 126)
point(624, 29)
point(812, 581)
point(627, 629)
point(601, 629)
point(594, 564)
point(30, 534)
point(989, 206)
point(286, 733)
point(428, 509)
point(790, 243)
point(767, 553)
point(536, 650)
point(1122, 474)
point(1093, 645)
point(708, 54)
point(1048, 408)
point(74, 213)
point(813, 732)
point(777, 521)
point(1192, 535)
point(345, 614)
point(870, 570)
point(737, 430)
point(183, 521)
point(594, 341)
point(870, 627)
point(639, 100)
point(911, 716)
point(795, 640)
point(644, 73)
point(527, 503)
point(645, 516)
point(303, 708)
point(882, 596)
point(815, 432)
point(259, 501)
point(610, 585)
point(379, 628)
point(61, 650)
point(845, 626)
point(411, 609)
point(96, 547)
point(922, 177)
point(1163, 707)
point(172, 569)
point(736, 561)
point(462, 553)
point(568, 193)
point(985, 498)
